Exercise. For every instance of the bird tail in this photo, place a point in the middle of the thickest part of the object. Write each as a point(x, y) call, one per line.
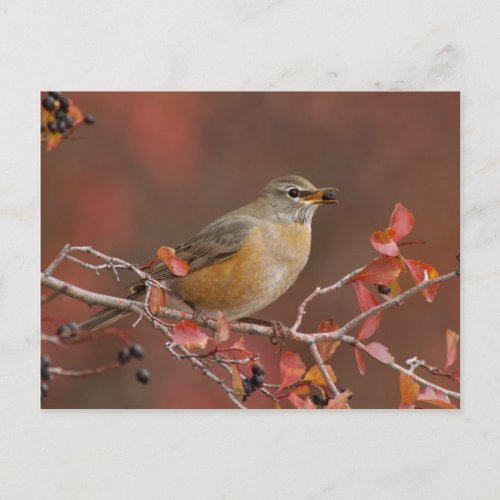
point(108, 316)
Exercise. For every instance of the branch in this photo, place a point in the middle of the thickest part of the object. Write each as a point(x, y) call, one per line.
point(141, 309)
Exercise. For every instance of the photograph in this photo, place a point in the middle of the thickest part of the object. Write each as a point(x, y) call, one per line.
point(260, 250)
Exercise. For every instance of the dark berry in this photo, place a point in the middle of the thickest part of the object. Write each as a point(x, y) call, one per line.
point(248, 387)
point(68, 330)
point(143, 376)
point(45, 373)
point(45, 390)
point(89, 120)
point(55, 95)
point(384, 290)
point(258, 369)
point(52, 126)
point(319, 401)
point(48, 103)
point(61, 127)
point(45, 361)
point(64, 103)
point(137, 351)
point(123, 355)
point(258, 380)
point(68, 121)
point(60, 114)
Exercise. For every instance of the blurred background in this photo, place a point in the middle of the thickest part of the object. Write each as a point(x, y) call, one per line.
point(157, 167)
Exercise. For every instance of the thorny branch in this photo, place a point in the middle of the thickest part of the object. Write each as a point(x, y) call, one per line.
point(141, 310)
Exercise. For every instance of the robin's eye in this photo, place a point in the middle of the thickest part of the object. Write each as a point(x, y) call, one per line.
point(293, 193)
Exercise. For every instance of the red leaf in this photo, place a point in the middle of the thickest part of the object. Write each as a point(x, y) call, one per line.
point(451, 347)
point(223, 329)
point(409, 389)
point(301, 404)
point(157, 299)
point(379, 351)
point(401, 223)
point(381, 271)
point(178, 266)
point(420, 271)
point(327, 349)
point(366, 301)
point(340, 401)
point(360, 360)
point(436, 398)
point(383, 242)
point(291, 369)
point(189, 335)
point(240, 347)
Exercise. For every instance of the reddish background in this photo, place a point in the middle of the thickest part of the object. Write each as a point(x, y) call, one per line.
point(157, 167)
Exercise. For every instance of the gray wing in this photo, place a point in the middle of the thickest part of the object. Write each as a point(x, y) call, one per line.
point(215, 243)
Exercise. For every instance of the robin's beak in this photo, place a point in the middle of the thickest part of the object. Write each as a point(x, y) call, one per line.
point(322, 196)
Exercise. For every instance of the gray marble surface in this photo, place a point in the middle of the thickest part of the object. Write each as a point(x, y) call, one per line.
point(249, 45)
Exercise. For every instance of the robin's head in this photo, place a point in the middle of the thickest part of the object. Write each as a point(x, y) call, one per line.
point(295, 199)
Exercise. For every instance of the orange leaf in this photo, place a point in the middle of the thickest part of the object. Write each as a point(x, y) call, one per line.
point(157, 299)
point(401, 223)
point(301, 390)
point(383, 242)
point(436, 398)
point(291, 369)
point(315, 376)
point(381, 271)
point(223, 329)
point(360, 360)
point(420, 271)
point(189, 335)
point(379, 351)
point(393, 290)
point(409, 390)
point(178, 266)
point(451, 347)
point(327, 349)
point(340, 401)
point(237, 383)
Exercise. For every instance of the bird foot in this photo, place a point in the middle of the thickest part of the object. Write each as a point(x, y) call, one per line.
point(278, 336)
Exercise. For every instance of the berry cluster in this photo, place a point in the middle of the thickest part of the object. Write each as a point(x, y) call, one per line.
point(134, 351)
point(59, 117)
point(250, 385)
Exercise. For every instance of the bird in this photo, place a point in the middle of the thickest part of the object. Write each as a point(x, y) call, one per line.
point(244, 260)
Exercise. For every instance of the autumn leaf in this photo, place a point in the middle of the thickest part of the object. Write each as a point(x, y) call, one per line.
point(421, 271)
point(301, 390)
point(383, 242)
point(301, 404)
point(188, 334)
point(327, 349)
point(379, 351)
point(360, 360)
point(366, 301)
point(223, 329)
point(157, 299)
point(451, 347)
point(391, 290)
point(339, 402)
point(291, 369)
point(178, 266)
point(401, 222)
point(315, 376)
point(409, 389)
point(240, 347)
point(237, 383)
point(381, 271)
point(436, 398)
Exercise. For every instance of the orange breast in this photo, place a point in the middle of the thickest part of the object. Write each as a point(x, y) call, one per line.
point(268, 263)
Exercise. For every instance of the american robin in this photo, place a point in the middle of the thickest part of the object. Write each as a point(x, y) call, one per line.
point(244, 260)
